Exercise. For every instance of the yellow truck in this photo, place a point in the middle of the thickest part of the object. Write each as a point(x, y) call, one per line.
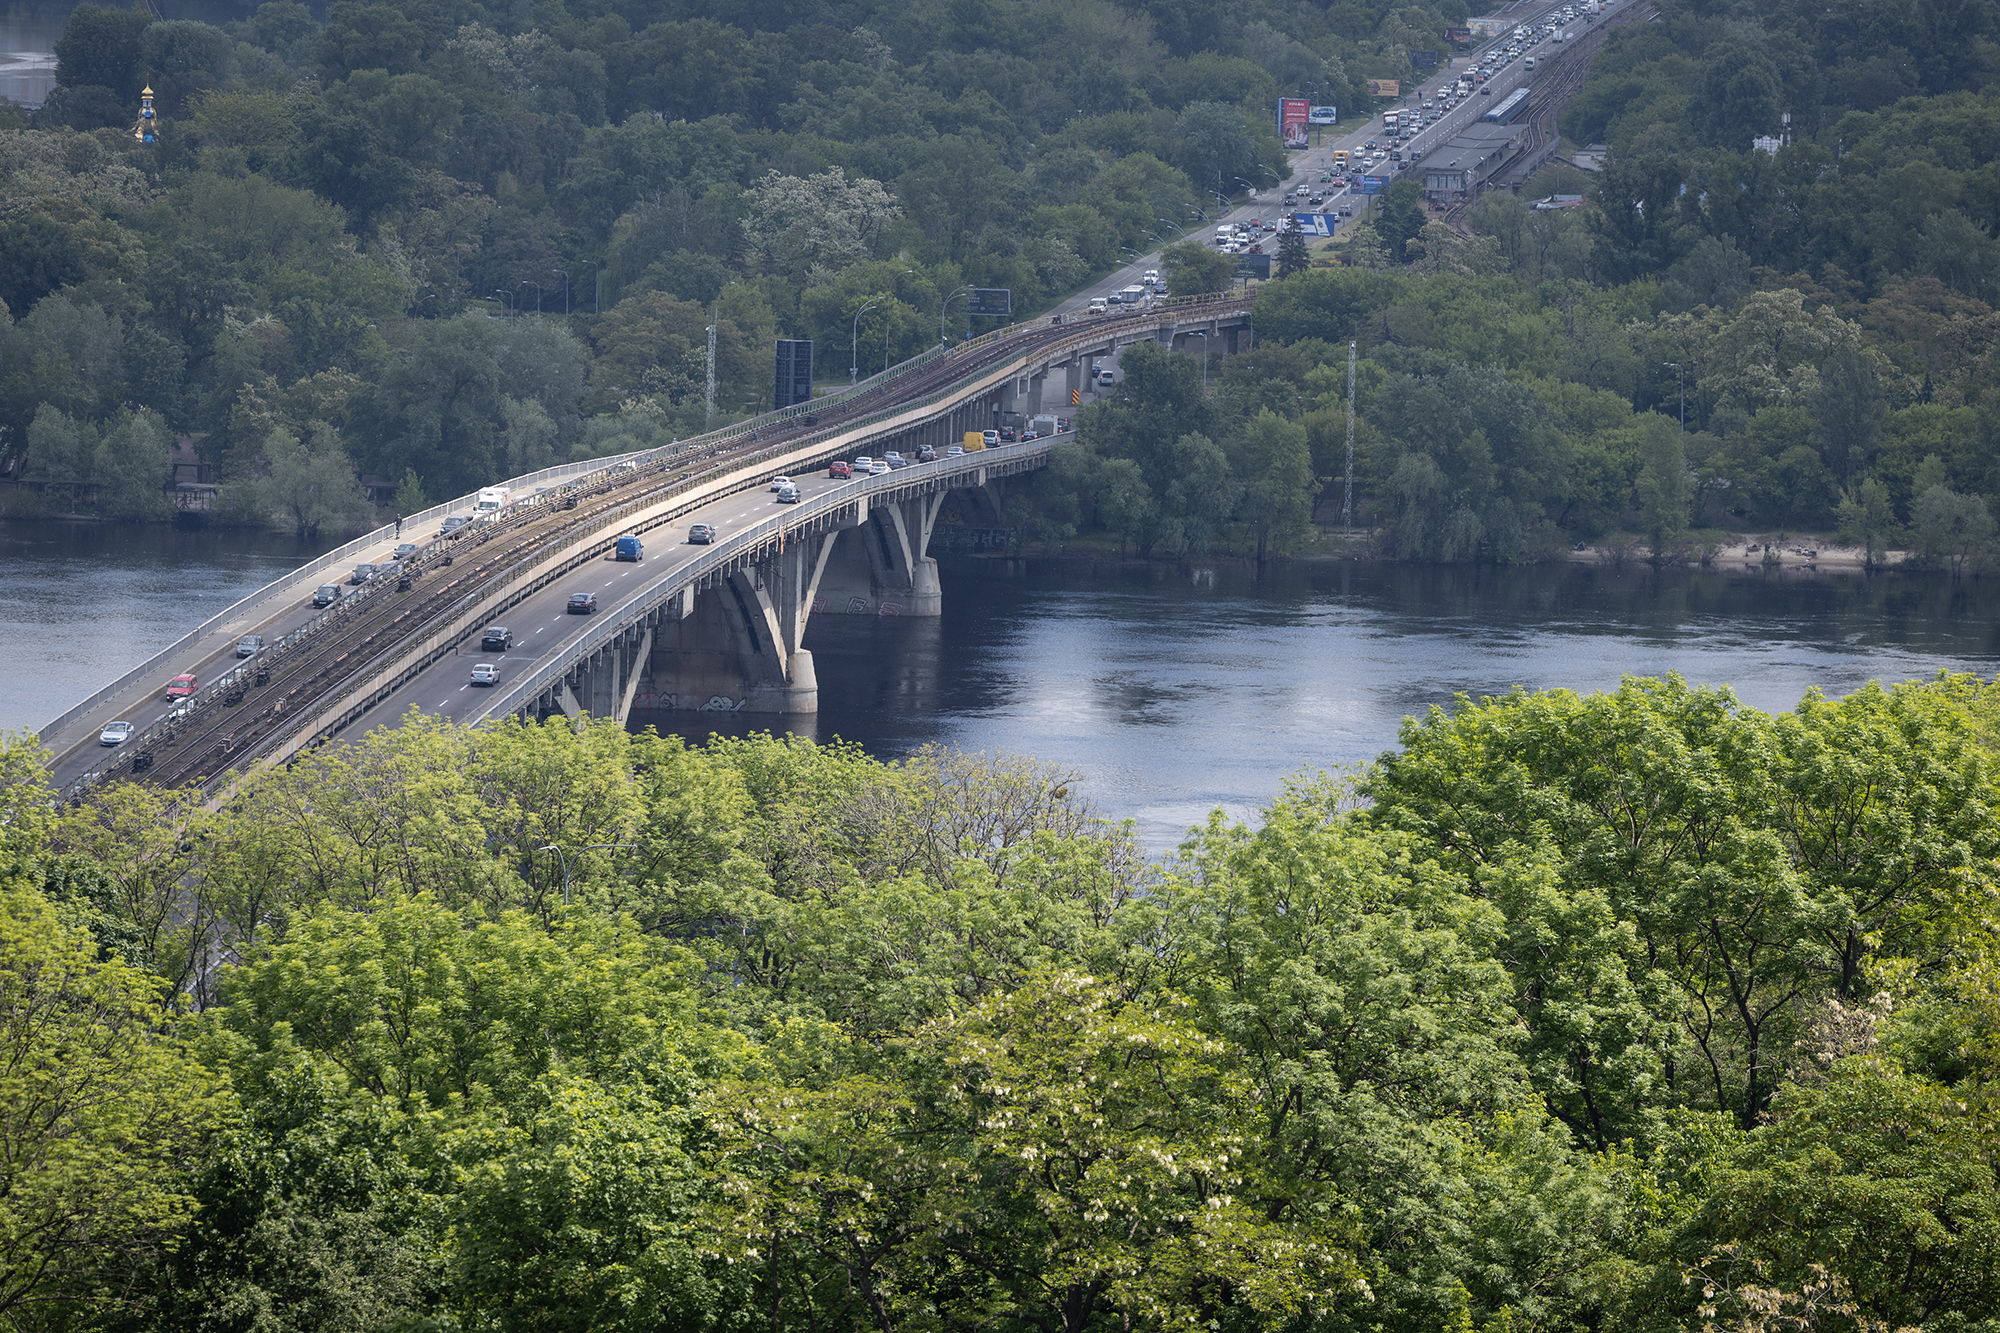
point(1340, 159)
point(974, 441)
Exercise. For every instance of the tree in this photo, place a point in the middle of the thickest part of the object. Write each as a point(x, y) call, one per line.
point(801, 225)
point(1274, 462)
point(1952, 529)
point(1666, 489)
point(312, 487)
point(1293, 257)
point(1399, 218)
point(1867, 519)
point(410, 492)
point(1193, 269)
point(99, 47)
point(105, 1111)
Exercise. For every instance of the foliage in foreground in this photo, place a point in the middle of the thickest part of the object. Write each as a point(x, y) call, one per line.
point(1629, 1011)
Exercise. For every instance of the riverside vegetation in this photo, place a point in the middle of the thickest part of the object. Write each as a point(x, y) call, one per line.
point(304, 274)
point(1636, 1011)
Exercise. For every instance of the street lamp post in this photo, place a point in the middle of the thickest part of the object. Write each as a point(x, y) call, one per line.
point(945, 305)
point(854, 344)
point(563, 857)
point(596, 285)
point(1681, 383)
point(563, 273)
point(530, 282)
point(502, 297)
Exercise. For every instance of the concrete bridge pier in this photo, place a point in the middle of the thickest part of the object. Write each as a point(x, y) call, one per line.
point(605, 684)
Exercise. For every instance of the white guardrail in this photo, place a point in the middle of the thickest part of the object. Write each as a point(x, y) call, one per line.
point(150, 671)
point(516, 694)
point(574, 474)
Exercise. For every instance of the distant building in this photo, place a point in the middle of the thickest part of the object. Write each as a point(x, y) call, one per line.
point(1469, 163)
point(1767, 143)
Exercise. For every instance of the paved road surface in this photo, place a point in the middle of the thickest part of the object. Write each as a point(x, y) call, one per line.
point(1309, 163)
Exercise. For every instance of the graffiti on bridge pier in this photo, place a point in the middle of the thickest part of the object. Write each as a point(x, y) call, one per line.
point(693, 703)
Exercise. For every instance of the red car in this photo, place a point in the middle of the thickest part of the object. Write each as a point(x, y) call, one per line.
point(182, 686)
point(840, 468)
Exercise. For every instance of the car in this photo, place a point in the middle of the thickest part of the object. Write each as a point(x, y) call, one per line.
point(250, 645)
point(406, 550)
point(892, 458)
point(1008, 435)
point(878, 468)
point(183, 686)
point(787, 496)
point(954, 451)
point(927, 455)
point(117, 733)
point(1153, 276)
point(1107, 378)
point(451, 525)
point(989, 438)
point(495, 639)
point(863, 464)
point(1099, 305)
point(485, 673)
point(779, 483)
point(326, 594)
point(362, 573)
point(582, 603)
point(840, 469)
point(700, 535)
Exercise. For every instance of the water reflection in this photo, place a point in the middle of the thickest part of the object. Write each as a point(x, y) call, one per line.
point(1173, 691)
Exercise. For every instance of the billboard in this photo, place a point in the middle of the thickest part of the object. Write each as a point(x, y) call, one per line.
point(1292, 119)
point(795, 372)
point(1372, 185)
point(1487, 27)
point(1324, 115)
point(1253, 266)
point(1316, 224)
point(1423, 60)
point(1385, 87)
point(1458, 36)
point(990, 301)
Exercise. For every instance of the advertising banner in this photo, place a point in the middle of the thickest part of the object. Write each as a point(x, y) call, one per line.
point(1373, 185)
point(1458, 36)
point(1487, 27)
point(1293, 113)
point(1316, 224)
point(1423, 60)
point(1324, 115)
point(1385, 87)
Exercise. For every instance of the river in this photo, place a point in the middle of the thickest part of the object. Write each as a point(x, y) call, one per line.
point(1169, 691)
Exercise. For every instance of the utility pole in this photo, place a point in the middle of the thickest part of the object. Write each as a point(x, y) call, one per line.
point(714, 317)
point(1347, 500)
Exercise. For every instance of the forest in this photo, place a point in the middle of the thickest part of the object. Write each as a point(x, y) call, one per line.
point(1638, 1011)
point(1723, 340)
point(436, 243)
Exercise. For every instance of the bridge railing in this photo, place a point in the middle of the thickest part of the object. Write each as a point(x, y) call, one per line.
point(518, 694)
point(576, 475)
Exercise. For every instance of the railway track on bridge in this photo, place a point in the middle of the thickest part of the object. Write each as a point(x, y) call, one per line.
point(264, 701)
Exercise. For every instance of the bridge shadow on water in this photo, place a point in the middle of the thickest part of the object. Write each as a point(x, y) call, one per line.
point(1041, 656)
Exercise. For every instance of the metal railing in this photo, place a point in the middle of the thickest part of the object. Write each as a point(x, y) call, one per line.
point(819, 445)
point(720, 557)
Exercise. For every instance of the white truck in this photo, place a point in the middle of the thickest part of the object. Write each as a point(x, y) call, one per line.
point(492, 499)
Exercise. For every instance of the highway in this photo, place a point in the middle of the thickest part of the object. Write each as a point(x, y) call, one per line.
point(1307, 164)
point(542, 624)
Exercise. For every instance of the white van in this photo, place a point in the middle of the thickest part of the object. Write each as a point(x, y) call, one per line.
point(1098, 305)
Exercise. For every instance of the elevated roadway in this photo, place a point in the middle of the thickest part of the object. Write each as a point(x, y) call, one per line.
point(726, 640)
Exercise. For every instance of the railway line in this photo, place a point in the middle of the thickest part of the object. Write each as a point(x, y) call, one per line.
point(1551, 92)
point(274, 695)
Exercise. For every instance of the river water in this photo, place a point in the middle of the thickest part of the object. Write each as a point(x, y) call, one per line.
point(1169, 691)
